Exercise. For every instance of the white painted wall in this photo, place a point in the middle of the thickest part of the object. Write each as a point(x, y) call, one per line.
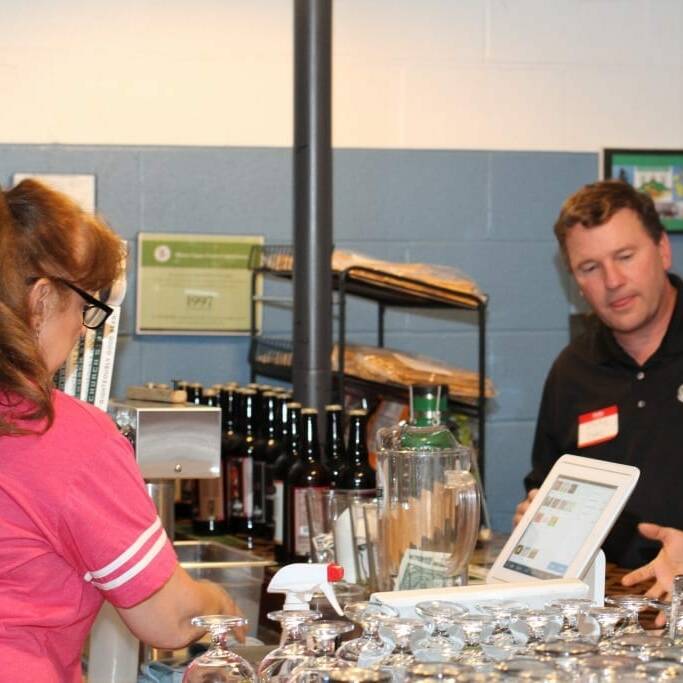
point(454, 74)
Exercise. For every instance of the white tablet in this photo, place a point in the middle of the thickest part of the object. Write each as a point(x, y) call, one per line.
point(567, 521)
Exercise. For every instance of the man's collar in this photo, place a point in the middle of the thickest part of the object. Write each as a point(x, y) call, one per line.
point(603, 347)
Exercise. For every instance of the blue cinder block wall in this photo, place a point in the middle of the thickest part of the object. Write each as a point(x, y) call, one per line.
point(488, 213)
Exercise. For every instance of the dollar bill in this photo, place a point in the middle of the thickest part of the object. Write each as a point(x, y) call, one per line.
point(425, 569)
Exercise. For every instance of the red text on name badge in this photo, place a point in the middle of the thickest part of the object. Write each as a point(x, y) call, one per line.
point(598, 426)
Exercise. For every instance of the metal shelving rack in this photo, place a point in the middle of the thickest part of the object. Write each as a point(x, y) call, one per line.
point(349, 283)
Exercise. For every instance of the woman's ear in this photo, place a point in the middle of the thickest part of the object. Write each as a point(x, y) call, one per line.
point(39, 302)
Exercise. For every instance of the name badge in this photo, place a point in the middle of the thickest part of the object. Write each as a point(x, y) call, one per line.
point(598, 426)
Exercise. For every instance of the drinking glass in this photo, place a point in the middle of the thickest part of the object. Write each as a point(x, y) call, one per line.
point(318, 502)
point(440, 616)
point(474, 630)
point(607, 619)
point(401, 656)
point(279, 663)
point(372, 541)
point(320, 646)
point(337, 530)
point(634, 604)
point(218, 664)
point(543, 624)
point(640, 645)
point(345, 592)
point(369, 647)
point(570, 609)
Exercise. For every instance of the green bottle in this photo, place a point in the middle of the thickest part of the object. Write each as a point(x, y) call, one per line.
point(425, 430)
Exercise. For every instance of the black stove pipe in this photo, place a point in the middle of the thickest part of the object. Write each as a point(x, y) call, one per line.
point(312, 202)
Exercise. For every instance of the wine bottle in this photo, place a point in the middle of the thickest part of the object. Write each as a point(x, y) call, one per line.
point(358, 476)
point(242, 471)
point(335, 453)
point(308, 473)
point(267, 449)
point(281, 468)
point(232, 401)
point(209, 519)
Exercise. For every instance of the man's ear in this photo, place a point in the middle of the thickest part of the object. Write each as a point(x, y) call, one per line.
point(664, 248)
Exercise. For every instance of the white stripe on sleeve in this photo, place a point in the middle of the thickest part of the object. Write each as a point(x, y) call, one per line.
point(136, 568)
point(126, 554)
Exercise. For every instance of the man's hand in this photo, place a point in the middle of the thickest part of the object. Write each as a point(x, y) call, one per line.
point(522, 507)
point(663, 569)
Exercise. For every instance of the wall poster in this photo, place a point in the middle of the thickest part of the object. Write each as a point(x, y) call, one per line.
point(194, 284)
point(658, 173)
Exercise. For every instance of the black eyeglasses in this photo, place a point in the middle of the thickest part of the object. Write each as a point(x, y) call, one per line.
point(96, 312)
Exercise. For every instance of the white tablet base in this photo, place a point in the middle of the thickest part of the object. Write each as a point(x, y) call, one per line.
point(534, 593)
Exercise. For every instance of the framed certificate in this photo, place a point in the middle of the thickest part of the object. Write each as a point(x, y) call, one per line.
point(658, 173)
point(194, 284)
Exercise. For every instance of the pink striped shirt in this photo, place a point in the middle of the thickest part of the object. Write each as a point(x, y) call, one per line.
point(76, 527)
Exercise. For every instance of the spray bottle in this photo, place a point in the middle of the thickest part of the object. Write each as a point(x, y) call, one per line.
point(300, 581)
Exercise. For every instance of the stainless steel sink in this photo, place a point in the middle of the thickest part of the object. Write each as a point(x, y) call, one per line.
point(238, 571)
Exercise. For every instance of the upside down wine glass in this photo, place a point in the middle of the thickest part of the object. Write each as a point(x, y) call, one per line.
point(278, 664)
point(218, 664)
point(369, 647)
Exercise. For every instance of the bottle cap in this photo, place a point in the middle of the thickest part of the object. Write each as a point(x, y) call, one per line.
point(358, 412)
point(335, 572)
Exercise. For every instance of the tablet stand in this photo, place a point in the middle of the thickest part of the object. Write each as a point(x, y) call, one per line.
point(594, 577)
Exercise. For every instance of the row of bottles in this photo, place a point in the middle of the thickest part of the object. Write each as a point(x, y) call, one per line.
point(270, 457)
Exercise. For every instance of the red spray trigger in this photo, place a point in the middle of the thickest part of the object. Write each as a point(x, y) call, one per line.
point(335, 572)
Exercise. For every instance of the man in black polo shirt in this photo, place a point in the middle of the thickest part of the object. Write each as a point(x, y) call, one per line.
point(616, 392)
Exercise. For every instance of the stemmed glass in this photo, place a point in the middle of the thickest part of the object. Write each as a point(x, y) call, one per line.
point(544, 624)
point(219, 664)
point(608, 619)
point(280, 662)
point(570, 609)
point(634, 604)
point(440, 616)
point(475, 630)
point(369, 647)
point(320, 646)
point(401, 657)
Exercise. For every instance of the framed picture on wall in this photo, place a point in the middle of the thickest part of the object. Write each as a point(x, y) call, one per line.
point(658, 172)
point(195, 284)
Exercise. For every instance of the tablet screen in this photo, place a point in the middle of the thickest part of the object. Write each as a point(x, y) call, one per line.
point(564, 519)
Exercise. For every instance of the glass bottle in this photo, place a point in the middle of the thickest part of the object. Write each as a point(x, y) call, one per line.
point(358, 475)
point(194, 393)
point(267, 451)
point(242, 474)
point(281, 468)
point(335, 453)
point(424, 429)
point(308, 472)
point(232, 401)
point(209, 519)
